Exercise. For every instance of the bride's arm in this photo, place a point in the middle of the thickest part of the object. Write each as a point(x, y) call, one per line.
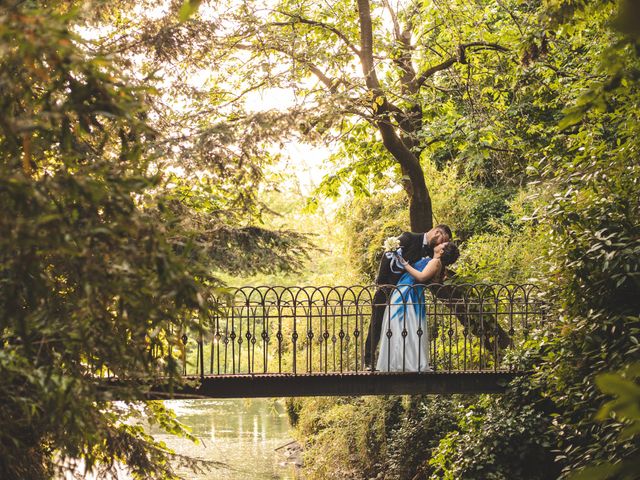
point(430, 272)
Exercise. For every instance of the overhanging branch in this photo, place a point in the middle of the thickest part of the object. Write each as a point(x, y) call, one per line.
point(460, 57)
point(297, 19)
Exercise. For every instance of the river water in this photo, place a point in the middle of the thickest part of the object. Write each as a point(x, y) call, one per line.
point(242, 435)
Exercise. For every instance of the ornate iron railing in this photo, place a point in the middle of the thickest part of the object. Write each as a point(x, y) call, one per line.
point(307, 330)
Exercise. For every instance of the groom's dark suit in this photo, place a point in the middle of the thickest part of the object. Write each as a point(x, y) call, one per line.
point(412, 250)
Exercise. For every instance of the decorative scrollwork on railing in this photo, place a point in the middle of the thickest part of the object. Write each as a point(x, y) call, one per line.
point(307, 330)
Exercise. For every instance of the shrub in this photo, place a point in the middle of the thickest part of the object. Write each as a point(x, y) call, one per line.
point(497, 440)
point(346, 437)
point(410, 446)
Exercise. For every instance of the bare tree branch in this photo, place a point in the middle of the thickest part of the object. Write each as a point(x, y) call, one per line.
point(511, 14)
point(394, 19)
point(328, 82)
point(404, 60)
point(436, 68)
point(297, 19)
point(459, 58)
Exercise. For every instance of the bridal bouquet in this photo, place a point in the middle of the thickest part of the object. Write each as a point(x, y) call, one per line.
point(393, 251)
point(391, 244)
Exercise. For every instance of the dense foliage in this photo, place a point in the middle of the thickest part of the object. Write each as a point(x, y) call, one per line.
point(572, 123)
point(103, 259)
point(132, 180)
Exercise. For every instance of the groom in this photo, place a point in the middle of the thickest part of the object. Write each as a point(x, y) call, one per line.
point(414, 246)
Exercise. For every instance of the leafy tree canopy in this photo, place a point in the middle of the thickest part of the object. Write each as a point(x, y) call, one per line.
point(115, 217)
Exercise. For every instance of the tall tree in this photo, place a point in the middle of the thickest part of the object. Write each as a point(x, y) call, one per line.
point(383, 43)
point(412, 59)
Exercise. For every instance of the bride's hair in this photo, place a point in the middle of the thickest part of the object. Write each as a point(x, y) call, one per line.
point(450, 253)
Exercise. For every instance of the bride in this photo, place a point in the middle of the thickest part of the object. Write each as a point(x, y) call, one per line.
point(405, 340)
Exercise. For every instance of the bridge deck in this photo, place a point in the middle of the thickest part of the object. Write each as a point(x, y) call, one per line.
point(345, 384)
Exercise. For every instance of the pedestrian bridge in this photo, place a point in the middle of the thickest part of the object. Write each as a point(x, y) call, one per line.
point(301, 341)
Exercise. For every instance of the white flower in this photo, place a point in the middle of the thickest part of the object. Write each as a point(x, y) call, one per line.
point(391, 244)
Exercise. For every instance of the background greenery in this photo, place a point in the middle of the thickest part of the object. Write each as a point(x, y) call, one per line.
point(133, 188)
point(571, 132)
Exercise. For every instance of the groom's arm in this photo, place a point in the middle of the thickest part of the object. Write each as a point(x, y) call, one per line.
point(405, 240)
point(384, 269)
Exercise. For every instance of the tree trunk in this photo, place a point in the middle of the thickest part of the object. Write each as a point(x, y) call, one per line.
point(420, 209)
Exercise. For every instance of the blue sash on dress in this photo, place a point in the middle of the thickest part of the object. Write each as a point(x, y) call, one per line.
point(408, 295)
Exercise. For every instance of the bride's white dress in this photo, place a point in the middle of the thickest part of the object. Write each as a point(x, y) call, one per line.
point(404, 340)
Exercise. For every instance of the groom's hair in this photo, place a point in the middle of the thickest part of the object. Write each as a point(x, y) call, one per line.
point(445, 229)
point(450, 254)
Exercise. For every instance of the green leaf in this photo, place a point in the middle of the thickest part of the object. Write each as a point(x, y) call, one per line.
point(571, 118)
point(597, 472)
point(614, 384)
point(188, 8)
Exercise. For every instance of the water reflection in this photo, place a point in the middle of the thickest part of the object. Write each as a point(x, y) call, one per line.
point(241, 434)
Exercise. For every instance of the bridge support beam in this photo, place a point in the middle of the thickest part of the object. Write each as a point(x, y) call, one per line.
point(348, 384)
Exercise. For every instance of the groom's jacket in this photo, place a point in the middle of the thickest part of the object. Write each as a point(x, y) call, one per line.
point(412, 250)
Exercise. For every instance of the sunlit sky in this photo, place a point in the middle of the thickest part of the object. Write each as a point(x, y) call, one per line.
point(305, 160)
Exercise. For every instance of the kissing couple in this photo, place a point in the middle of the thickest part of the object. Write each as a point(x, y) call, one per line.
point(398, 304)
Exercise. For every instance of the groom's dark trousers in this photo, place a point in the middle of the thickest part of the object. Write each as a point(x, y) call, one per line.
point(412, 250)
